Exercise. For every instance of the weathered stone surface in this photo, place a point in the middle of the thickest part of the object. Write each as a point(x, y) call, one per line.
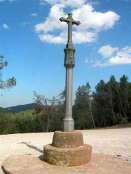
point(67, 139)
point(67, 149)
point(100, 164)
point(67, 156)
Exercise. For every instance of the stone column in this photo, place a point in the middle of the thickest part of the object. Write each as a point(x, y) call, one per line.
point(69, 65)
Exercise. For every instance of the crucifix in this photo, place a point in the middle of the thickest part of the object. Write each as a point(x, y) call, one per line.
point(69, 64)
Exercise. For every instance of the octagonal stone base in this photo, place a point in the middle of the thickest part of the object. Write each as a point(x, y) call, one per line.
point(67, 149)
point(100, 164)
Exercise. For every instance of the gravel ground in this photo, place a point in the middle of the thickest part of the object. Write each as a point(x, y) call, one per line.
point(116, 142)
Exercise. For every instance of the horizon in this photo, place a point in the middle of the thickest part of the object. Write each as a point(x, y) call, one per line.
point(33, 42)
point(33, 102)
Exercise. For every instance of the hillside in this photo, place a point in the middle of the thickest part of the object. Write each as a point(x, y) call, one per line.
point(2, 109)
point(21, 108)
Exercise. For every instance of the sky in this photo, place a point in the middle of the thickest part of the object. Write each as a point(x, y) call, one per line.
point(32, 40)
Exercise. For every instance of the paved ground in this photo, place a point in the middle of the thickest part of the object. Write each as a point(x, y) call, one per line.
point(99, 164)
point(116, 142)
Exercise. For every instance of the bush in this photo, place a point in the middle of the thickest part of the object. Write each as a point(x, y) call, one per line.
point(124, 120)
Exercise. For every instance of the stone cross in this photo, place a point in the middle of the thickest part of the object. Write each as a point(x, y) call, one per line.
point(69, 64)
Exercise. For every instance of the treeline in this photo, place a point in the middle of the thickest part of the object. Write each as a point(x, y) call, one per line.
point(108, 105)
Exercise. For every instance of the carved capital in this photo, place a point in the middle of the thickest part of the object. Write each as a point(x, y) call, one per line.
point(69, 57)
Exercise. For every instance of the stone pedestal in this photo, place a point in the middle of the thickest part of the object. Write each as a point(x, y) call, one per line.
point(67, 149)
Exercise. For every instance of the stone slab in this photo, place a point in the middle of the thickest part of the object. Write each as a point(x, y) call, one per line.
point(67, 156)
point(100, 164)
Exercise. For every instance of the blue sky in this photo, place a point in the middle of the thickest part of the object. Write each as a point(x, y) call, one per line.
point(32, 40)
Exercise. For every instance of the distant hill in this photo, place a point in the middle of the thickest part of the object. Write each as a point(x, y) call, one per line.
point(21, 108)
point(2, 109)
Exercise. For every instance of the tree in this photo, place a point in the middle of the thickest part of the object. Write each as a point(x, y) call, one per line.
point(113, 89)
point(102, 106)
point(41, 111)
point(8, 83)
point(112, 102)
point(124, 97)
point(50, 112)
point(81, 108)
point(129, 100)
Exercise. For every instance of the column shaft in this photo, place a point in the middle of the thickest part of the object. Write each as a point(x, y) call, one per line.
point(68, 120)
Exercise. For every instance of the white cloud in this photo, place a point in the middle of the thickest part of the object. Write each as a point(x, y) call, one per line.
point(52, 39)
point(114, 56)
point(83, 37)
point(123, 56)
point(5, 26)
point(52, 22)
point(70, 3)
point(107, 51)
point(92, 21)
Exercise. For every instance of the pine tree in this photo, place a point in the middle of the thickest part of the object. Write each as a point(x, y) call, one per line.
point(81, 109)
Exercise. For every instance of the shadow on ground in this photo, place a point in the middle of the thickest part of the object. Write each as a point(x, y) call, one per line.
point(32, 147)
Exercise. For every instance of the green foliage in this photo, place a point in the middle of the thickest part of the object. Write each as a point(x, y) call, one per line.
point(81, 109)
point(112, 102)
point(124, 120)
point(102, 105)
point(11, 81)
point(108, 105)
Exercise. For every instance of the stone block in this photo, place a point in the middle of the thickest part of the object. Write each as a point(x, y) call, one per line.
point(67, 139)
point(67, 156)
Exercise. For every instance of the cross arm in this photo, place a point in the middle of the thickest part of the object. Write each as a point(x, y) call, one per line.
point(67, 20)
point(76, 22)
point(63, 19)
